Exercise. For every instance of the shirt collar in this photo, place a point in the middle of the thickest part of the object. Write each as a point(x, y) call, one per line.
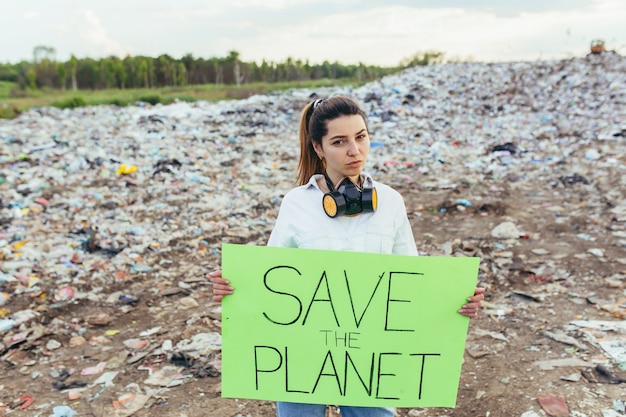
point(368, 181)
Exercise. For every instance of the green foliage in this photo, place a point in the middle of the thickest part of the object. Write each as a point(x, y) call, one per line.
point(18, 92)
point(8, 73)
point(155, 74)
point(150, 98)
point(21, 99)
point(181, 74)
point(70, 103)
point(31, 75)
point(43, 52)
point(165, 71)
point(62, 74)
point(184, 97)
point(5, 88)
point(423, 58)
point(7, 111)
point(120, 102)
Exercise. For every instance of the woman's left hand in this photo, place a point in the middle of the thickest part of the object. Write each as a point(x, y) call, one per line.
point(470, 309)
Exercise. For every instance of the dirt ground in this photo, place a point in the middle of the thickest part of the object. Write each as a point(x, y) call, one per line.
point(536, 285)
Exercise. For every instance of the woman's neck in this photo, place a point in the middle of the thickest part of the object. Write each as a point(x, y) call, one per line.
point(334, 182)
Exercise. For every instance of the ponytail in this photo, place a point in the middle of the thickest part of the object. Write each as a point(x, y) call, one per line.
point(309, 163)
point(313, 127)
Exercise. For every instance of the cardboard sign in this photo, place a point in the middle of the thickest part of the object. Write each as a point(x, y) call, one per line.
point(344, 328)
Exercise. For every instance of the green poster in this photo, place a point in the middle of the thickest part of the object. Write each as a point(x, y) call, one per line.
point(344, 328)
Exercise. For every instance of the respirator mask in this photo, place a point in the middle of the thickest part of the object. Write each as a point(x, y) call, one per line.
point(348, 199)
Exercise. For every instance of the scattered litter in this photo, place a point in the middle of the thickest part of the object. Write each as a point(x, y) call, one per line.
point(506, 230)
point(106, 378)
point(201, 344)
point(24, 402)
point(564, 338)
point(610, 336)
point(128, 404)
point(150, 332)
point(94, 370)
point(602, 325)
point(494, 335)
point(596, 252)
point(167, 376)
point(117, 210)
point(600, 374)
point(63, 411)
point(553, 405)
point(575, 377)
point(559, 363)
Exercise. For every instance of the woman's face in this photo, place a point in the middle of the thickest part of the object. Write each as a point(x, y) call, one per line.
point(344, 147)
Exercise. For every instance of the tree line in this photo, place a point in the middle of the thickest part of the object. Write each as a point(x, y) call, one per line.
point(45, 71)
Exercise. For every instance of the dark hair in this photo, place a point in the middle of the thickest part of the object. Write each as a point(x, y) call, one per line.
point(314, 126)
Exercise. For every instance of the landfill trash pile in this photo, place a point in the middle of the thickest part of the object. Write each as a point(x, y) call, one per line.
point(112, 217)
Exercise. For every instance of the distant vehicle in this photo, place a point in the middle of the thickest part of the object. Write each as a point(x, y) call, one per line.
point(597, 46)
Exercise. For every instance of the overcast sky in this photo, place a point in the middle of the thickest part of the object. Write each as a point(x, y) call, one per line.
point(381, 32)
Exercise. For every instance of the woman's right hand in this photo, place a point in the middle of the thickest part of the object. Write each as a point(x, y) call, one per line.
point(221, 286)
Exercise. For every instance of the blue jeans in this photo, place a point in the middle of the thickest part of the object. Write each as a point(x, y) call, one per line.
point(284, 409)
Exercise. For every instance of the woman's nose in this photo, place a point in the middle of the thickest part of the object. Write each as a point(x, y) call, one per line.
point(353, 148)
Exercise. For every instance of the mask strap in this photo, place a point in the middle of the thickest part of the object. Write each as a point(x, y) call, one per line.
point(329, 183)
point(331, 187)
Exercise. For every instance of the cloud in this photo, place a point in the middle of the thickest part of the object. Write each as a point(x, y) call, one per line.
point(386, 35)
point(95, 36)
point(381, 32)
point(270, 4)
point(60, 28)
point(30, 14)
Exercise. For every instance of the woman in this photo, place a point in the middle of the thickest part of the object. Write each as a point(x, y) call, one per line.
point(335, 207)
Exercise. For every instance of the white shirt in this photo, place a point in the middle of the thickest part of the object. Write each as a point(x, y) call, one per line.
point(302, 223)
